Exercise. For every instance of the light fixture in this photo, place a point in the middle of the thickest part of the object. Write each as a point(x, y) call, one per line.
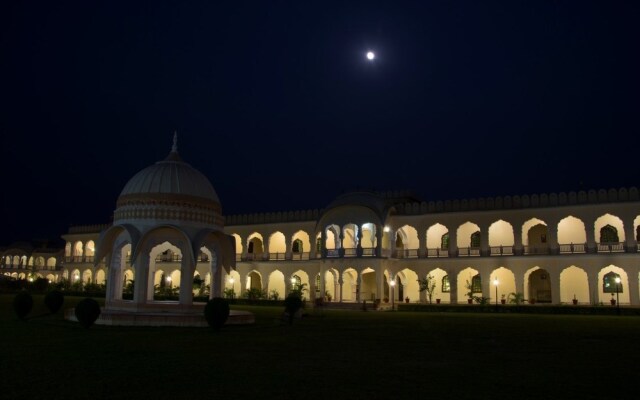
point(386, 229)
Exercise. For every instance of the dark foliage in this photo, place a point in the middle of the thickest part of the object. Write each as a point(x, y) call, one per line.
point(216, 312)
point(54, 300)
point(22, 304)
point(87, 312)
point(292, 304)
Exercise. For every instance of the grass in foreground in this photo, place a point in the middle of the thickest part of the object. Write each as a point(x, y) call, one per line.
point(328, 355)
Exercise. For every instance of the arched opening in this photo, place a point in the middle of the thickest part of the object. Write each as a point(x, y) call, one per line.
point(277, 246)
point(469, 285)
point(574, 284)
point(254, 247)
point(101, 278)
point(368, 289)
point(539, 287)
point(408, 286)
point(330, 284)
point(349, 284)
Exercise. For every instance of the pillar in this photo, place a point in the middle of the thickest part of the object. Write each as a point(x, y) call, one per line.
point(632, 285)
point(187, 268)
point(453, 243)
point(485, 250)
point(379, 230)
point(552, 238)
point(555, 287)
point(340, 282)
point(358, 286)
point(593, 287)
point(359, 244)
point(141, 278)
point(453, 286)
point(591, 236)
point(518, 247)
point(630, 243)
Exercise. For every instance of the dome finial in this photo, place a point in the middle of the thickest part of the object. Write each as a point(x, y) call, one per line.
point(174, 148)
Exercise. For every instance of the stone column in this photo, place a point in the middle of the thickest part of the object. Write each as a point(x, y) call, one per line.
point(265, 249)
point(555, 287)
point(552, 238)
point(114, 282)
point(217, 282)
point(379, 231)
point(518, 247)
point(589, 225)
point(453, 286)
point(520, 284)
point(141, 279)
point(593, 287)
point(340, 282)
point(632, 285)
point(486, 283)
point(359, 244)
point(341, 248)
point(187, 268)
point(323, 243)
point(243, 284)
point(288, 250)
point(453, 243)
point(630, 243)
point(422, 245)
point(485, 250)
point(358, 286)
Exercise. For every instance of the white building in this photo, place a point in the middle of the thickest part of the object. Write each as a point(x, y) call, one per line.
point(168, 227)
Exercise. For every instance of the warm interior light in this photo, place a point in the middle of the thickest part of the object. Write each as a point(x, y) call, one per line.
point(617, 279)
point(168, 279)
point(392, 283)
point(495, 282)
point(387, 229)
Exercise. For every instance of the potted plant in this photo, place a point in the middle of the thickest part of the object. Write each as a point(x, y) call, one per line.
point(385, 299)
point(503, 299)
point(516, 298)
point(327, 295)
point(613, 300)
point(406, 299)
point(437, 301)
point(575, 301)
point(469, 293)
point(428, 284)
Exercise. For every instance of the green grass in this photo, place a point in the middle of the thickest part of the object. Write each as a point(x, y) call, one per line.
point(328, 355)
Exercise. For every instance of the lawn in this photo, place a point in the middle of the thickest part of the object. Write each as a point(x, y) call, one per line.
point(327, 355)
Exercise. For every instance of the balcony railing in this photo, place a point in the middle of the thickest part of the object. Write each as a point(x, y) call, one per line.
point(276, 256)
point(469, 251)
point(535, 250)
point(438, 252)
point(611, 247)
point(368, 251)
point(501, 250)
point(333, 253)
point(405, 253)
point(300, 256)
point(169, 258)
point(350, 252)
point(573, 248)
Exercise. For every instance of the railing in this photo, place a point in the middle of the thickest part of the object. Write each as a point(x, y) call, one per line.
point(611, 247)
point(89, 258)
point(172, 258)
point(276, 256)
point(438, 252)
point(76, 259)
point(333, 253)
point(368, 251)
point(300, 256)
point(238, 256)
point(501, 250)
point(469, 251)
point(350, 252)
point(572, 248)
point(406, 253)
point(535, 250)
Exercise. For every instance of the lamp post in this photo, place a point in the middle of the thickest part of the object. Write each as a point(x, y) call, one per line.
point(495, 282)
point(618, 293)
point(393, 299)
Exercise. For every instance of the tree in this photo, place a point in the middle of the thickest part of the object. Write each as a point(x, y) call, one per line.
point(428, 284)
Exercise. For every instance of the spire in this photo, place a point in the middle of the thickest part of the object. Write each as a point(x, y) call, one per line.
point(173, 155)
point(174, 148)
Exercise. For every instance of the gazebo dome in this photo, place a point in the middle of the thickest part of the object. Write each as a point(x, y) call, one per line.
point(170, 189)
point(171, 176)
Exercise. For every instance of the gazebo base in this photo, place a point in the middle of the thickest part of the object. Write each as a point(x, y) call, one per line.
point(127, 318)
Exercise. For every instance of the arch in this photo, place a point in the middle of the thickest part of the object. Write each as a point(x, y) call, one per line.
point(299, 280)
point(350, 236)
point(538, 286)
point(238, 241)
point(349, 284)
point(609, 289)
point(232, 284)
point(574, 284)
point(276, 285)
point(506, 284)
point(301, 244)
point(571, 230)
point(465, 234)
point(101, 277)
point(410, 286)
point(78, 249)
point(51, 263)
point(330, 284)
point(443, 289)
point(469, 284)
point(501, 234)
point(369, 239)
point(277, 243)
point(87, 276)
point(90, 248)
point(528, 235)
point(610, 229)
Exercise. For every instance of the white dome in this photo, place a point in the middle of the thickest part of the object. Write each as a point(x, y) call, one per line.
point(171, 176)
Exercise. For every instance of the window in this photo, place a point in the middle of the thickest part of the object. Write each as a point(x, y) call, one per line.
point(250, 249)
point(318, 283)
point(319, 245)
point(297, 246)
point(609, 284)
point(446, 288)
point(609, 234)
point(476, 284)
point(475, 239)
point(444, 242)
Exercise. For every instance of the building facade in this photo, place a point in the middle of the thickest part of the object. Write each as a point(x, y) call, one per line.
point(550, 248)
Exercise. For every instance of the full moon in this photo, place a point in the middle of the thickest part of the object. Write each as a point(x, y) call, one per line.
point(370, 55)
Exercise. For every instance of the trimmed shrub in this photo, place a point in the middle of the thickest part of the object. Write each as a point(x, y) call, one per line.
point(216, 312)
point(87, 312)
point(22, 304)
point(54, 300)
point(292, 304)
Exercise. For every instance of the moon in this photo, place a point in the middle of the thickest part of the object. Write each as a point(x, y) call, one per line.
point(370, 55)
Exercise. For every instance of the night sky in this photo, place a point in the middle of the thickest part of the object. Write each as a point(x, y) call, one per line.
point(276, 103)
